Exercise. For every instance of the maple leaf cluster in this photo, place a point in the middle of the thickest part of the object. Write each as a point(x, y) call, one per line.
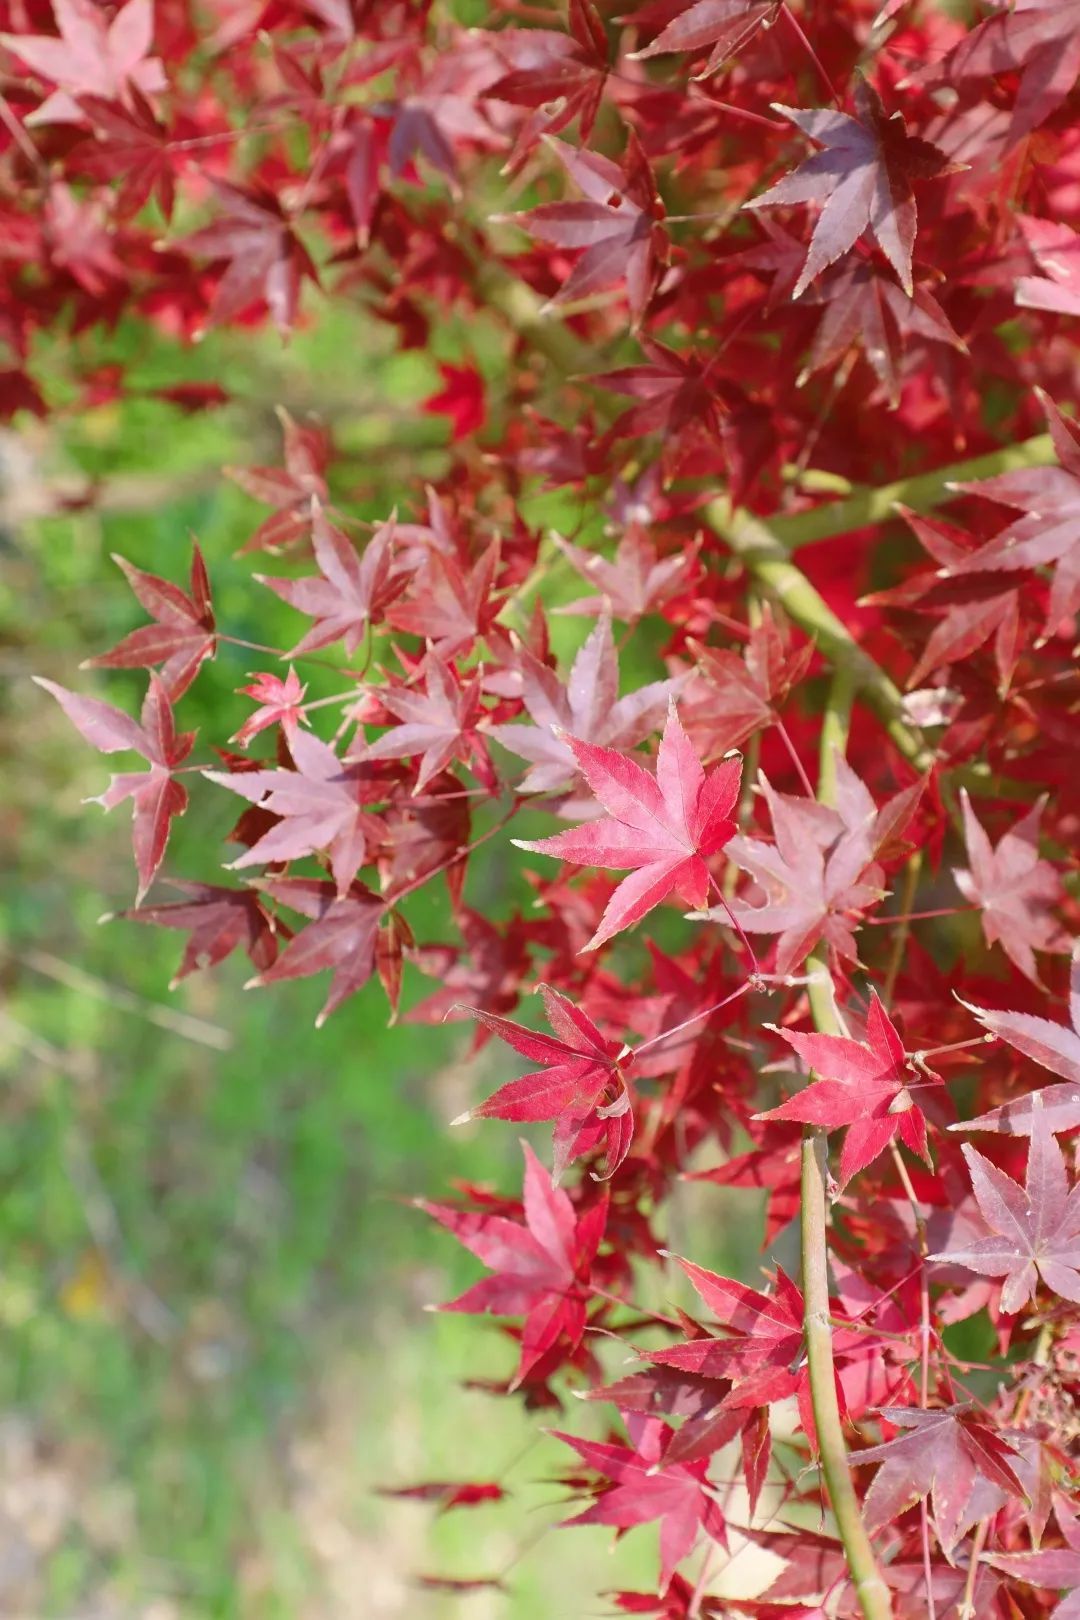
point(797, 891)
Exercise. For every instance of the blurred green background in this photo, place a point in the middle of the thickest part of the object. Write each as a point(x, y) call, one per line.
point(214, 1347)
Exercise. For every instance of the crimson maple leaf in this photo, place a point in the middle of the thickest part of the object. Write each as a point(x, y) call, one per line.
point(293, 490)
point(540, 1268)
point(441, 724)
point(866, 1086)
point(762, 1352)
point(579, 1084)
point(449, 603)
point(1035, 1229)
point(1037, 39)
point(744, 690)
point(722, 26)
point(489, 970)
point(321, 806)
point(264, 258)
point(965, 1468)
point(1055, 248)
point(673, 392)
point(1055, 1047)
point(132, 148)
point(1013, 888)
point(91, 57)
point(281, 703)
point(342, 937)
point(1057, 1568)
point(617, 225)
point(561, 76)
point(587, 705)
point(863, 177)
point(820, 870)
point(645, 1487)
point(664, 827)
point(1048, 535)
point(156, 796)
point(349, 593)
point(447, 1494)
point(635, 582)
point(182, 636)
point(218, 920)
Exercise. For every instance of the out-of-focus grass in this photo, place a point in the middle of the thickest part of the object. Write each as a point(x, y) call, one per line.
point(210, 1283)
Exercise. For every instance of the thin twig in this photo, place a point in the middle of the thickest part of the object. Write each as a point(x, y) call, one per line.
point(177, 1023)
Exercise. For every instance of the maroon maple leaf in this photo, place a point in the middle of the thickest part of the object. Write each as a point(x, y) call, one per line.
point(218, 920)
point(1048, 535)
point(540, 1268)
point(348, 594)
point(663, 827)
point(965, 1468)
point(635, 582)
point(561, 76)
point(264, 259)
point(645, 1487)
point(281, 703)
point(1055, 248)
point(863, 178)
point(865, 1086)
point(131, 148)
point(182, 635)
point(1013, 888)
point(579, 1084)
point(1055, 1047)
point(673, 392)
point(1034, 1229)
point(321, 806)
point(92, 56)
point(721, 26)
point(440, 724)
point(617, 225)
point(293, 490)
point(587, 706)
point(341, 938)
point(487, 972)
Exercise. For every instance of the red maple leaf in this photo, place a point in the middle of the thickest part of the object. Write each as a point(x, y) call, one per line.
point(341, 938)
point(1055, 248)
point(349, 593)
point(645, 1487)
point(449, 603)
point(1013, 888)
point(635, 582)
point(447, 1494)
point(265, 261)
point(587, 705)
point(820, 870)
point(133, 149)
point(745, 689)
point(540, 1268)
point(966, 1469)
point(722, 26)
point(1048, 535)
point(663, 827)
point(1035, 1229)
point(281, 703)
point(92, 56)
point(294, 490)
point(617, 225)
point(579, 1084)
point(440, 724)
point(1055, 1047)
point(560, 76)
point(1056, 1568)
point(321, 806)
point(218, 920)
point(865, 1086)
point(863, 178)
point(460, 400)
point(182, 635)
point(156, 796)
